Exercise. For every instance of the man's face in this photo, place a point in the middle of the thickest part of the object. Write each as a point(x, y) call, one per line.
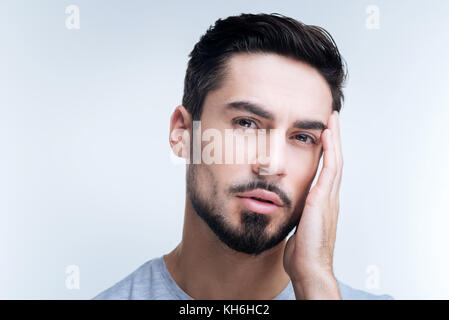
point(278, 93)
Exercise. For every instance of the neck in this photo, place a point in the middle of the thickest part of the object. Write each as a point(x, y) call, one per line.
point(205, 268)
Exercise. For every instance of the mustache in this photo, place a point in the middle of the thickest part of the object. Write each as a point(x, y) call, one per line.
point(262, 184)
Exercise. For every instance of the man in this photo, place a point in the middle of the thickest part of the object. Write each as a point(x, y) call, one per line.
point(265, 75)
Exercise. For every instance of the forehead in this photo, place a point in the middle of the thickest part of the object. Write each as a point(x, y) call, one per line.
point(286, 86)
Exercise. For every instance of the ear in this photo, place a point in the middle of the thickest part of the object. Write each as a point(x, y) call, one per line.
point(180, 129)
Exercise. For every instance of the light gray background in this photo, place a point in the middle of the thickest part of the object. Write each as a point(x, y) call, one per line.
point(85, 171)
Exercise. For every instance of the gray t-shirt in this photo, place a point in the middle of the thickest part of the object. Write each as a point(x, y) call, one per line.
point(152, 281)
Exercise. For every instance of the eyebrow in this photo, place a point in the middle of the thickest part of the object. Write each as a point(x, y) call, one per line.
point(309, 125)
point(263, 113)
point(252, 108)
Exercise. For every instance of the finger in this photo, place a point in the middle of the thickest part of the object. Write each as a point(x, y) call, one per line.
point(328, 172)
point(337, 137)
point(338, 151)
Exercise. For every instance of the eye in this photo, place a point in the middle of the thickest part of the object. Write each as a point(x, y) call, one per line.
point(246, 123)
point(304, 138)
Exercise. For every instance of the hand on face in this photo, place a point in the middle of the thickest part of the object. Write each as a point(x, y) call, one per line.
point(308, 255)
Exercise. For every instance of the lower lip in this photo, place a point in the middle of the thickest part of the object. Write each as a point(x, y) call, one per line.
point(259, 206)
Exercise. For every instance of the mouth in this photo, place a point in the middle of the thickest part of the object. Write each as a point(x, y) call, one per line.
point(261, 201)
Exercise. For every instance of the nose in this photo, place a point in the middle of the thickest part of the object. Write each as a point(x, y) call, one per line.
point(271, 152)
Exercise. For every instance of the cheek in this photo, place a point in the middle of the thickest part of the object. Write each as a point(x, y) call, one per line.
point(301, 170)
point(217, 177)
point(303, 160)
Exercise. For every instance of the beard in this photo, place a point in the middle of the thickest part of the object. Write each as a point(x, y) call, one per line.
point(251, 237)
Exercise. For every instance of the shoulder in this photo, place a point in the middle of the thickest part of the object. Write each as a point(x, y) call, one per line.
point(349, 293)
point(134, 286)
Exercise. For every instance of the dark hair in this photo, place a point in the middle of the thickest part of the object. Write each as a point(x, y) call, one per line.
point(259, 33)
